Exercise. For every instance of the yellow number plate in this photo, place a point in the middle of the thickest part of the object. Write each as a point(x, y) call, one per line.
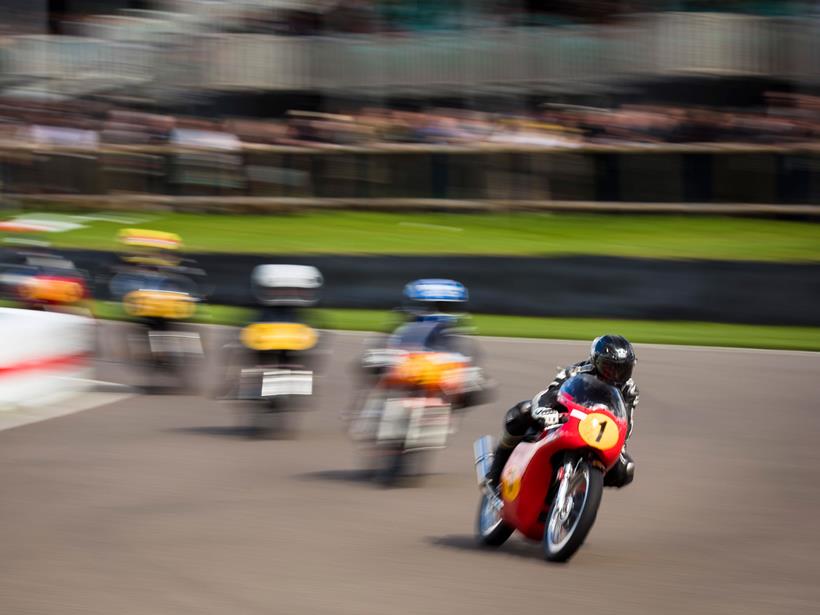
point(599, 431)
point(159, 304)
point(279, 336)
point(510, 483)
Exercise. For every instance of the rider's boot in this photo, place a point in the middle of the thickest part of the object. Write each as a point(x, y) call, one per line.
point(500, 457)
point(516, 422)
point(622, 473)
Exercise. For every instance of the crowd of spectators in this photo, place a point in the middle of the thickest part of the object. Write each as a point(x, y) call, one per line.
point(785, 119)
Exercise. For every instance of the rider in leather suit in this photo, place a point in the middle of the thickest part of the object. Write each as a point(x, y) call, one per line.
point(431, 313)
point(612, 359)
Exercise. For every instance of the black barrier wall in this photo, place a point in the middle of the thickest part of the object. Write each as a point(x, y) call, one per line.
point(601, 287)
point(669, 174)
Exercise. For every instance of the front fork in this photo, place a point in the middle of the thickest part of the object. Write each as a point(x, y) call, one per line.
point(483, 454)
point(563, 478)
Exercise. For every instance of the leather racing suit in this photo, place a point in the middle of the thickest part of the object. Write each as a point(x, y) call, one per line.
point(519, 421)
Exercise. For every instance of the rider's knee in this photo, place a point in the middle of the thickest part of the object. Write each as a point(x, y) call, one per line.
point(517, 420)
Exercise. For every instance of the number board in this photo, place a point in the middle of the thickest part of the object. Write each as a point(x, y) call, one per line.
point(159, 304)
point(599, 431)
point(279, 336)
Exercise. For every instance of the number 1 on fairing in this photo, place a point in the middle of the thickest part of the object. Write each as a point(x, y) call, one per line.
point(601, 432)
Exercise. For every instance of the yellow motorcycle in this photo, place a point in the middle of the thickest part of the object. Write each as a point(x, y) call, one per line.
point(271, 369)
point(159, 296)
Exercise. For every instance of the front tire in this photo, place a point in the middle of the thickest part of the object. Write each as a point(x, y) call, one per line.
point(572, 516)
point(491, 531)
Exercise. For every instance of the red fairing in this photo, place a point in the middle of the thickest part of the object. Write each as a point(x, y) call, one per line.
point(528, 475)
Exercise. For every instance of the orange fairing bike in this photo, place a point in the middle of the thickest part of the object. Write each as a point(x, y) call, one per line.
point(410, 409)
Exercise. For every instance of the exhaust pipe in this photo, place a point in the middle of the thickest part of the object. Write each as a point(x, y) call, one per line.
point(483, 455)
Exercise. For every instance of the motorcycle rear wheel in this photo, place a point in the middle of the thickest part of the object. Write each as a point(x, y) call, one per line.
point(395, 466)
point(491, 531)
point(571, 518)
point(268, 420)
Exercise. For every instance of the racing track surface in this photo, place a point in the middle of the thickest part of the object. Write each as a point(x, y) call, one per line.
point(156, 505)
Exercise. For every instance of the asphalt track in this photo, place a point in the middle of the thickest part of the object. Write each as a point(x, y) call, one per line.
point(157, 505)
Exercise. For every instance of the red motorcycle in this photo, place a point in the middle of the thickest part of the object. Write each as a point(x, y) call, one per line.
point(552, 484)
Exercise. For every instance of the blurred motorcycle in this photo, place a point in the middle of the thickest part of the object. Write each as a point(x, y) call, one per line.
point(38, 279)
point(159, 296)
point(272, 366)
point(552, 484)
point(412, 406)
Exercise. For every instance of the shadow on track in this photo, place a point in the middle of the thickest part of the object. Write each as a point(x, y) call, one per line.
point(372, 477)
point(241, 431)
point(216, 431)
point(467, 542)
point(360, 476)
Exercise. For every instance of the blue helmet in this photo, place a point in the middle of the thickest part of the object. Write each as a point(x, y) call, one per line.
point(435, 299)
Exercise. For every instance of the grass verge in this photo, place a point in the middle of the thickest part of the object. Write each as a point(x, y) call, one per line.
point(512, 234)
point(640, 331)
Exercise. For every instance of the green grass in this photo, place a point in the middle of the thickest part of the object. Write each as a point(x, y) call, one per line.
point(655, 332)
point(651, 236)
point(502, 234)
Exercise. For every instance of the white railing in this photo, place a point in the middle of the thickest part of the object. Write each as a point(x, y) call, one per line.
point(647, 45)
point(254, 61)
point(70, 57)
point(711, 43)
point(656, 44)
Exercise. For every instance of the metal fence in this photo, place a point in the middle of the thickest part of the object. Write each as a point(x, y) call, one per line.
point(667, 174)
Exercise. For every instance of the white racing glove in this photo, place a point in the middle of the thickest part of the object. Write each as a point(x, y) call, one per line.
point(548, 416)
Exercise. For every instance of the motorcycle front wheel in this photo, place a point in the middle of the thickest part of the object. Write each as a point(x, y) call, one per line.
point(573, 509)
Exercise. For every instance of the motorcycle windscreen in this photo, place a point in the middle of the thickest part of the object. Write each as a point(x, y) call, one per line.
point(593, 394)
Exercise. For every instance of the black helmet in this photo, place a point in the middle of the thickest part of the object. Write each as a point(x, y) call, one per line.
point(613, 358)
